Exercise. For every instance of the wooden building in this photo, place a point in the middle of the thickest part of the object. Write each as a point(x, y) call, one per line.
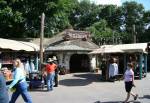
point(71, 48)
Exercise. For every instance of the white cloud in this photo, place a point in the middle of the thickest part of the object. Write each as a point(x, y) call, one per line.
point(106, 2)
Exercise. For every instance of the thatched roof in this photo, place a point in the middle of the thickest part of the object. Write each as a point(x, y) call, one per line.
point(79, 45)
point(61, 42)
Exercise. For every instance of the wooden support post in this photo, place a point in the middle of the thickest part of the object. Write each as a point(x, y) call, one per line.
point(125, 62)
point(107, 62)
point(145, 63)
point(41, 39)
point(140, 66)
point(36, 62)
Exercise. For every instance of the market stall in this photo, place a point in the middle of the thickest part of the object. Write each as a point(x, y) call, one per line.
point(11, 49)
point(136, 52)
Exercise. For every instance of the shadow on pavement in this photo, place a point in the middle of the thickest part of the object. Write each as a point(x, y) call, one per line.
point(38, 90)
point(134, 101)
point(89, 76)
point(117, 102)
point(74, 82)
point(145, 96)
point(109, 102)
point(82, 80)
point(97, 102)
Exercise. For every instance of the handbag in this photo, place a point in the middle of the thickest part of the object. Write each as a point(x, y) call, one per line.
point(13, 89)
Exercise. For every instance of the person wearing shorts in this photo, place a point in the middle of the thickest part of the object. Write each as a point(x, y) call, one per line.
point(129, 82)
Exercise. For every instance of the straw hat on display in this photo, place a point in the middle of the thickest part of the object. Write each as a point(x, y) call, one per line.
point(54, 58)
point(115, 60)
point(50, 60)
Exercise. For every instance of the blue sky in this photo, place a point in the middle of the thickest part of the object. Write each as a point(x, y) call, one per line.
point(146, 3)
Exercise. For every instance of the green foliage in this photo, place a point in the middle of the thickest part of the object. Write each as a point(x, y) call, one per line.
point(112, 14)
point(11, 20)
point(133, 13)
point(84, 15)
point(101, 33)
point(146, 17)
point(21, 18)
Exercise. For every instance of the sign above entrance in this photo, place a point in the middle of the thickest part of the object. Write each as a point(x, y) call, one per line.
point(69, 35)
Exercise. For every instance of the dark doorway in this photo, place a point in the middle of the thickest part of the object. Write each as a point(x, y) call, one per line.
point(79, 63)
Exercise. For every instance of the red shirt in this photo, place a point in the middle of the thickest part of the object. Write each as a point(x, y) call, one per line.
point(50, 68)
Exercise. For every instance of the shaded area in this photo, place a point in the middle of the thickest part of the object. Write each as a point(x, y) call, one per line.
point(111, 102)
point(134, 101)
point(118, 102)
point(79, 63)
point(82, 80)
point(38, 90)
point(74, 82)
point(145, 97)
point(91, 77)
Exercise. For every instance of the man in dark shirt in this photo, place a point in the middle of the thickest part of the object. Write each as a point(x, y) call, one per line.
point(103, 67)
point(4, 98)
point(56, 71)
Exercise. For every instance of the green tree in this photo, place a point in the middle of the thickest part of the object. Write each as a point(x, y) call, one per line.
point(133, 15)
point(56, 12)
point(145, 37)
point(21, 18)
point(84, 15)
point(102, 34)
point(11, 20)
point(112, 14)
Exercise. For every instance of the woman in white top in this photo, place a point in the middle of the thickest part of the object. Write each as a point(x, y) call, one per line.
point(129, 81)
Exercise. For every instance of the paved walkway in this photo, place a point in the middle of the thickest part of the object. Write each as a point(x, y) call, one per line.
point(87, 88)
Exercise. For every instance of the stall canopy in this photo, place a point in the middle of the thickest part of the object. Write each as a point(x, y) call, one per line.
point(106, 49)
point(17, 45)
point(121, 48)
point(136, 47)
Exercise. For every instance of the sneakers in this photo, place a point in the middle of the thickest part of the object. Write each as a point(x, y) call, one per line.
point(135, 98)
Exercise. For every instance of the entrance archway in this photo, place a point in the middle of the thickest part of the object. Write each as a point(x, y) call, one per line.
point(79, 63)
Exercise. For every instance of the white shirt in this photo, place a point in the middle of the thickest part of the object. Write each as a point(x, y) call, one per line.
point(27, 67)
point(113, 69)
point(129, 75)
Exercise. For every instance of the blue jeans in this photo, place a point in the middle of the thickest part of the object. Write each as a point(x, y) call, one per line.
point(50, 80)
point(21, 88)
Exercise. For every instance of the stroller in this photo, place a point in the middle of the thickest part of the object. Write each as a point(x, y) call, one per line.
point(36, 81)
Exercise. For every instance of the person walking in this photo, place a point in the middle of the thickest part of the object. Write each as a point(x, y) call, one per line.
point(129, 82)
point(4, 98)
point(19, 83)
point(50, 69)
point(56, 71)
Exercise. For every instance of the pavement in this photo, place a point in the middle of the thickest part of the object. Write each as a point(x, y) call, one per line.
point(88, 88)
